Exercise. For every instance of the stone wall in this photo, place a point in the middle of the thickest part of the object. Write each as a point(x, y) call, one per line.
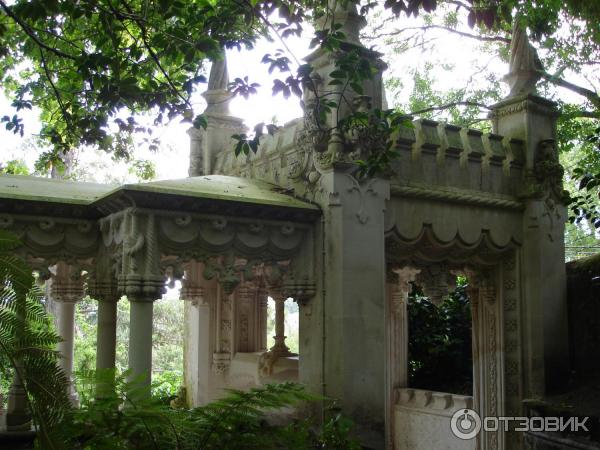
point(583, 291)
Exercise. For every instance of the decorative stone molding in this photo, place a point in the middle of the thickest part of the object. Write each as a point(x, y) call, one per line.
point(67, 284)
point(102, 290)
point(217, 234)
point(221, 362)
point(436, 402)
point(53, 239)
point(301, 290)
point(194, 294)
point(437, 281)
point(475, 198)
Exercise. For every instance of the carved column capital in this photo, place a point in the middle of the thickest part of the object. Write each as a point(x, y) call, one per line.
point(142, 288)
point(437, 281)
point(194, 294)
point(103, 290)
point(301, 290)
point(406, 275)
point(67, 284)
point(221, 362)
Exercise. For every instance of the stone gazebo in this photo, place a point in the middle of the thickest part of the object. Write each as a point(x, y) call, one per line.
point(294, 221)
point(226, 237)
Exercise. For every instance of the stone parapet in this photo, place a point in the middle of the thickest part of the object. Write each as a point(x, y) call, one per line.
point(433, 153)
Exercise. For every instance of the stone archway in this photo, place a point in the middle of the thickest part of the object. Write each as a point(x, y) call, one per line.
point(416, 418)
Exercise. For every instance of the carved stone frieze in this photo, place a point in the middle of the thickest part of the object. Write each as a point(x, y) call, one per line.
point(53, 239)
point(218, 234)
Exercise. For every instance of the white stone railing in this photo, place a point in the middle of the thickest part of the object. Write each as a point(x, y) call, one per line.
point(422, 420)
point(245, 370)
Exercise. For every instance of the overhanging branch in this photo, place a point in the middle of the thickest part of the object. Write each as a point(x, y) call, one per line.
point(441, 27)
point(29, 32)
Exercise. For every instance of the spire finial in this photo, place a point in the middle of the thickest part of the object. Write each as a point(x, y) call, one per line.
point(219, 76)
point(524, 64)
point(217, 96)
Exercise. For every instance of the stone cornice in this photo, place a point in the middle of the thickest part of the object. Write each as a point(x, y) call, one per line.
point(533, 103)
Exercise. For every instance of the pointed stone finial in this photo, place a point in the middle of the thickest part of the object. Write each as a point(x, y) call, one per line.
point(524, 64)
point(346, 15)
point(219, 76)
point(217, 96)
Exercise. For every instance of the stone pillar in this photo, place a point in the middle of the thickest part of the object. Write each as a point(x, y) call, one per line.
point(543, 275)
point(245, 322)
point(105, 292)
point(261, 332)
point(279, 348)
point(18, 417)
point(106, 333)
point(399, 326)
point(199, 296)
point(66, 290)
point(397, 342)
point(140, 337)
point(348, 311)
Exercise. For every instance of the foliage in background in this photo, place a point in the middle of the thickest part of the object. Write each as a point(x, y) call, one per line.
point(28, 342)
point(439, 347)
point(167, 343)
point(14, 167)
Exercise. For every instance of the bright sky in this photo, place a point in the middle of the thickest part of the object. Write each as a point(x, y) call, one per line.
point(454, 57)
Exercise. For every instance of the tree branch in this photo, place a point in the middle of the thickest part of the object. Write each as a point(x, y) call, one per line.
point(584, 114)
point(441, 27)
point(448, 106)
point(54, 88)
point(592, 96)
point(29, 32)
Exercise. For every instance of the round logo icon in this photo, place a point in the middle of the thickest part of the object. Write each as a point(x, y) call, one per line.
point(465, 424)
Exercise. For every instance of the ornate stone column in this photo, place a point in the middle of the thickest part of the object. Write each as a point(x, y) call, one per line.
point(399, 327)
point(279, 348)
point(245, 314)
point(67, 290)
point(473, 294)
point(261, 332)
point(397, 342)
point(487, 352)
point(142, 282)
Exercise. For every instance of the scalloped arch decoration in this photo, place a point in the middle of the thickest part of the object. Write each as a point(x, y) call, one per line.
point(407, 219)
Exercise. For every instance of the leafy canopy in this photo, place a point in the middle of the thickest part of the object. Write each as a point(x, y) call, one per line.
point(91, 66)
